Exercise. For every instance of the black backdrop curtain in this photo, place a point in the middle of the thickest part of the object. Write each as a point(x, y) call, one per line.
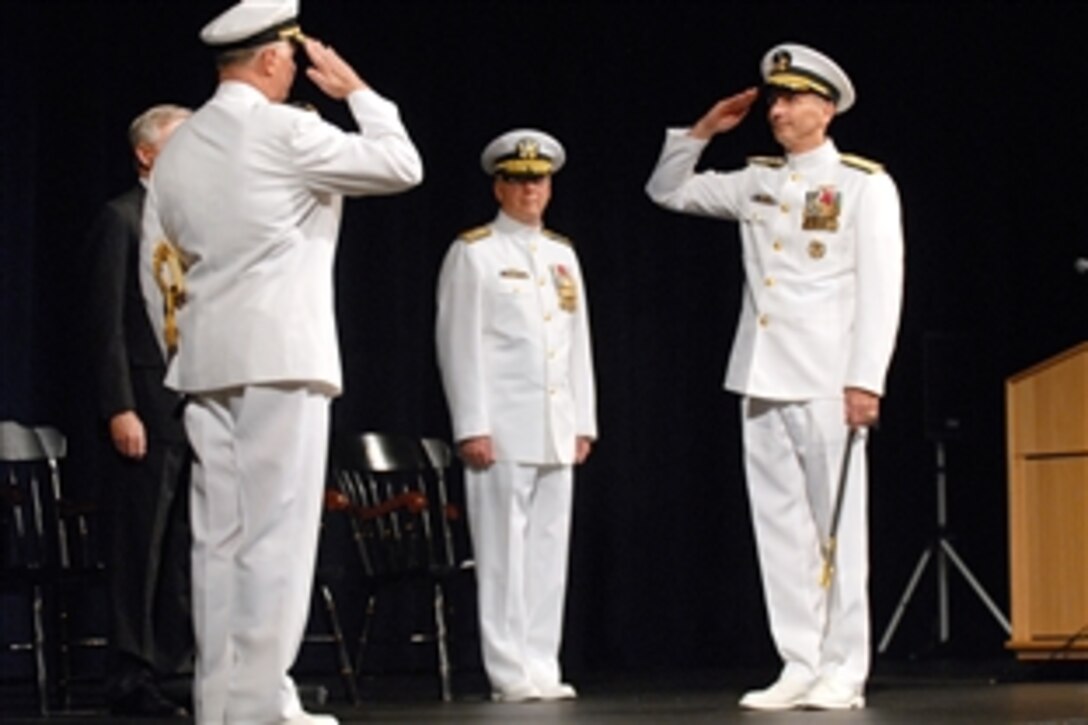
point(973, 107)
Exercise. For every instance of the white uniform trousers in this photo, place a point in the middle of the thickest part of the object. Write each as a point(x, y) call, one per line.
point(793, 455)
point(258, 477)
point(519, 518)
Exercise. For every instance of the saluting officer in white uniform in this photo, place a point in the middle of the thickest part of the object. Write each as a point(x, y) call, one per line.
point(514, 350)
point(250, 198)
point(822, 249)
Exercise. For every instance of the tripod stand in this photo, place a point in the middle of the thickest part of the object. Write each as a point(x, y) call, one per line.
point(942, 548)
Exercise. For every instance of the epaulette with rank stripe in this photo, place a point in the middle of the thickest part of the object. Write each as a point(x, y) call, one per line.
point(475, 235)
point(858, 162)
point(557, 237)
point(774, 162)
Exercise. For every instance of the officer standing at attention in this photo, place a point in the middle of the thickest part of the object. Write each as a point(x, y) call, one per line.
point(246, 201)
point(514, 351)
point(822, 249)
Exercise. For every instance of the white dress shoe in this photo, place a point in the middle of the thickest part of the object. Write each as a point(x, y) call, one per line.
point(785, 694)
point(558, 691)
point(830, 695)
point(521, 693)
point(305, 718)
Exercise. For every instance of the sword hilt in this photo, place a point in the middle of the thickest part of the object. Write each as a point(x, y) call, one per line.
point(828, 572)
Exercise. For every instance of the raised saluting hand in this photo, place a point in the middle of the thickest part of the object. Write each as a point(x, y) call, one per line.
point(725, 115)
point(329, 72)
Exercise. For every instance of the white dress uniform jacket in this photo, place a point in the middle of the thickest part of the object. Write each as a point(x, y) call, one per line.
point(823, 257)
point(250, 193)
point(513, 343)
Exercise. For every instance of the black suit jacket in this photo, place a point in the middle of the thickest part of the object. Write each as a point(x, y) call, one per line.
point(147, 498)
point(130, 367)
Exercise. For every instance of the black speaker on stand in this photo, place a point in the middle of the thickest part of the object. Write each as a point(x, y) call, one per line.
point(945, 369)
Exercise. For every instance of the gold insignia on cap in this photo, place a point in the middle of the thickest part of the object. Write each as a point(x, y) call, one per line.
point(522, 152)
point(791, 68)
point(801, 84)
point(783, 75)
point(294, 34)
point(528, 149)
point(781, 61)
point(526, 160)
point(817, 249)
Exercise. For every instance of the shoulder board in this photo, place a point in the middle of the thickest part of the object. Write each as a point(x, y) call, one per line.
point(857, 162)
point(556, 237)
point(303, 106)
point(475, 235)
point(300, 106)
point(774, 162)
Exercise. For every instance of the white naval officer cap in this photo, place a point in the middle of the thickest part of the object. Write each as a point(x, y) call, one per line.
point(253, 22)
point(801, 69)
point(523, 152)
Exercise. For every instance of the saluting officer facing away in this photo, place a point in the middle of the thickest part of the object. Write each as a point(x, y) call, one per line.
point(822, 250)
point(249, 192)
point(514, 352)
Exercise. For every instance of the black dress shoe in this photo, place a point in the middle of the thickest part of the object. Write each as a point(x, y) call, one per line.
point(146, 701)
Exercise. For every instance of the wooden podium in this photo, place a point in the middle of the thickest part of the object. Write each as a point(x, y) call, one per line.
point(1047, 408)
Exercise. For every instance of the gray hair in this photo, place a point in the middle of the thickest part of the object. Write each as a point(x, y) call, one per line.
point(147, 127)
point(238, 56)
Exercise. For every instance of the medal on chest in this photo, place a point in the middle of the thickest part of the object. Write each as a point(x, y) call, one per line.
point(822, 209)
point(565, 288)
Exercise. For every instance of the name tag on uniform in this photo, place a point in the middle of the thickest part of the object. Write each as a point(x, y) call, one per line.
point(514, 274)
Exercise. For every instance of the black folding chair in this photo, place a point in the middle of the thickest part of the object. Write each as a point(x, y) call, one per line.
point(402, 524)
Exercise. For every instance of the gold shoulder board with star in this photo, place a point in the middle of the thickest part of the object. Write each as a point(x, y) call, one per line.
point(858, 162)
point(774, 162)
point(475, 235)
point(557, 237)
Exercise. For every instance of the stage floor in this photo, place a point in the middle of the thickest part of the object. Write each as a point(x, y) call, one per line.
point(932, 694)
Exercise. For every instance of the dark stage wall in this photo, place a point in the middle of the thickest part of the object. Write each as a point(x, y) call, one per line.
point(975, 108)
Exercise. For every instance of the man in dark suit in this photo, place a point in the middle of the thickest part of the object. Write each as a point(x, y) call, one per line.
point(146, 488)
